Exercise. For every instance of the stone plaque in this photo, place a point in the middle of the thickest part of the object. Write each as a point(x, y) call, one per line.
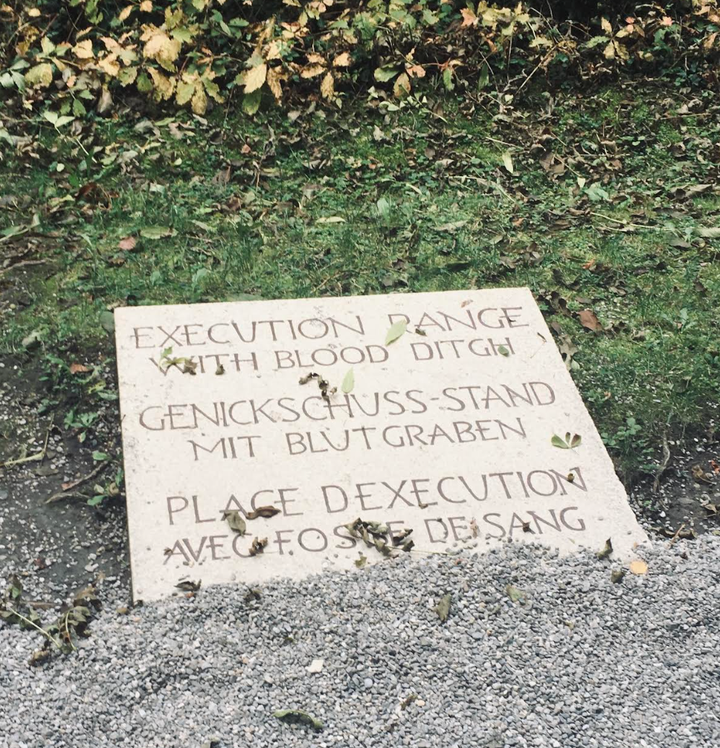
point(353, 421)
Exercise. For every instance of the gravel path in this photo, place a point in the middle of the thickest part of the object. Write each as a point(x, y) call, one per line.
point(578, 661)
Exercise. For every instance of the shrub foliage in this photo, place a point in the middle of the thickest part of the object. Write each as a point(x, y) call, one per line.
point(76, 55)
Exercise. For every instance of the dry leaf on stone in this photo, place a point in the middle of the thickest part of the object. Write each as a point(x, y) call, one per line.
point(235, 521)
point(263, 511)
point(189, 586)
point(443, 608)
point(617, 576)
point(606, 551)
point(361, 562)
point(258, 546)
point(589, 320)
point(639, 567)
point(571, 441)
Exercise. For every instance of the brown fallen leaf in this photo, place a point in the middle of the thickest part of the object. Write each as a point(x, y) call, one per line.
point(188, 586)
point(700, 476)
point(639, 567)
point(78, 369)
point(128, 243)
point(589, 320)
point(258, 546)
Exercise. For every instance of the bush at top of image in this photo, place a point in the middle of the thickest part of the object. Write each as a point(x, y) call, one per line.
point(79, 55)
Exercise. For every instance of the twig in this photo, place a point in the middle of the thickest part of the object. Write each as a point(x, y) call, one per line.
point(674, 538)
point(479, 180)
point(64, 493)
point(630, 223)
point(663, 464)
point(39, 628)
point(39, 457)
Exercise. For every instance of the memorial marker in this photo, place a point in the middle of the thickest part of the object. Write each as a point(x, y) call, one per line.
point(257, 433)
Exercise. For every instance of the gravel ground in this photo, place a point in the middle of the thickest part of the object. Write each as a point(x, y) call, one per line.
point(578, 661)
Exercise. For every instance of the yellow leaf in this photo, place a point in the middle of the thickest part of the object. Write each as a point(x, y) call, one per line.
point(315, 59)
point(273, 81)
point(146, 6)
point(199, 100)
point(272, 52)
point(185, 90)
point(164, 86)
point(312, 71)
point(639, 567)
point(40, 75)
point(83, 50)
point(255, 77)
point(402, 87)
point(469, 17)
point(110, 44)
point(47, 46)
point(110, 66)
point(609, 51)
point(327, 87)
point(125, 12)
point(342, 60)
point(33, 13)
point(606, 25)
point(159, 46)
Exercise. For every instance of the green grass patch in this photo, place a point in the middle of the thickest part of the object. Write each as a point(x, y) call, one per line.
point(605, 210)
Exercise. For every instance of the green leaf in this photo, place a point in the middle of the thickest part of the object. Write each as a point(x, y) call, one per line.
point(383, 207)
point(107, 321)
point(515, 594)
point(383, 75)
point(298, 717)
point(448, 79)
point(396, 331)
point(503, 351)
point(156, 232)
point(484, 77)
point(251, 102)
point(576, 441)
point(708, 233)
point(558, 442)
point(95, 500)
point(443, 608)
point(348, 382)
point(508, 162)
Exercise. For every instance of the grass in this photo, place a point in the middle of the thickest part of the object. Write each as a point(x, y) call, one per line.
point(372, 201)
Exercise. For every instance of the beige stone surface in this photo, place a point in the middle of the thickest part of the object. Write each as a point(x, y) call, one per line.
point(447, 431)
